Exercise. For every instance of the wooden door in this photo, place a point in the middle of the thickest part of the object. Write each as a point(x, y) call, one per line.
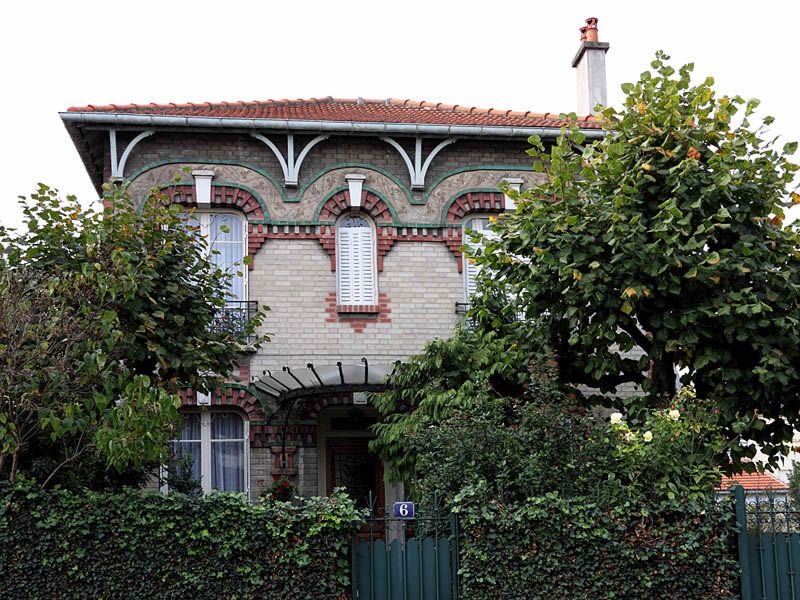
point(352, 466)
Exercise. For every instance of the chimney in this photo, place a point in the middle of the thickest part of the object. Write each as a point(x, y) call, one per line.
point(590, 62)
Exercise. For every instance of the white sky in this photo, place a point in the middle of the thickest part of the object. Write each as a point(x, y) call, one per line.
point(500, 54)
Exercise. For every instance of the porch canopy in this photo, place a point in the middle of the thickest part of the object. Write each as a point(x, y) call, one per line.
point(289, 383)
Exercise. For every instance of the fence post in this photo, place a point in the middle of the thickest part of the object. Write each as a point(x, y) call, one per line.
point(744, 541)
point(454, 554)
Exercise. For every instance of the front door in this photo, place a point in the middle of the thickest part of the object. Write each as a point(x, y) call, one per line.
point(353, 467)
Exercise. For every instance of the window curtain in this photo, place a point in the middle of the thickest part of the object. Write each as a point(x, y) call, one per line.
point(189, 444)
point(227, 250)
point(227, 452)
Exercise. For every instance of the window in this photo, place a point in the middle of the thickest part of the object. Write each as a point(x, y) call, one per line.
point(481, 225)
point(356, 266)
point(227, 246)
point(215, 442)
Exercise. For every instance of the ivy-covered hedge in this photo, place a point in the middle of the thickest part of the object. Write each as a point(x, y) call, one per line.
point(556, 547)
point(57, 544)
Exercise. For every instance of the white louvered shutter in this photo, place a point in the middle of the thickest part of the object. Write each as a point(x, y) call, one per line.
point(355, 263)
point(471, 270)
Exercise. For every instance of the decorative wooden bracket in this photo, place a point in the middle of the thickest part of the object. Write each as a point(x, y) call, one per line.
point(118, 163)
point(289, 164)
point(417, 170)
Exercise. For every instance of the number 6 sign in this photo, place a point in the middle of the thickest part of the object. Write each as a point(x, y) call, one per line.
point(403, 510)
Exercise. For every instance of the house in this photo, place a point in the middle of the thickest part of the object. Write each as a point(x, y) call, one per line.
point(758, 487)
point(353, 213)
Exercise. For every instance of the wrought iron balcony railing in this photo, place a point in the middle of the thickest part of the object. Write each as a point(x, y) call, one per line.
point(234, 317)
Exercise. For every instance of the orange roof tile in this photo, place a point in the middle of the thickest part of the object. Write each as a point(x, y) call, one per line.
point(356, 110)
point(753, 481)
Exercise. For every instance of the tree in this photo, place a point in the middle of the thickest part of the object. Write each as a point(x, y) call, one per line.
point(448, 377)
point(661, 250)
point(103, 316)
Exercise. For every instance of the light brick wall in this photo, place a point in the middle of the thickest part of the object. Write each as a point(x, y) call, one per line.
point(293, 278)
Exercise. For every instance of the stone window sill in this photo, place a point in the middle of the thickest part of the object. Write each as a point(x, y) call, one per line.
point(370, 309)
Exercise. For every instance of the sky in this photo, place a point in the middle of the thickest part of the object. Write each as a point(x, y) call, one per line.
point(502, 54)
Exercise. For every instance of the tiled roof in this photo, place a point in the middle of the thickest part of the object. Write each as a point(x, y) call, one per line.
point(753, 481)
point(357, 110)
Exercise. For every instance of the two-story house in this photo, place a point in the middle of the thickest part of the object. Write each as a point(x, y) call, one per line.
point(353, 213)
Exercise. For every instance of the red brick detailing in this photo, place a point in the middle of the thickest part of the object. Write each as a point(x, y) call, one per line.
point(228, 396)
point(470, 202)
point(264, 436)
point(311, 410)
point(358, 316)
point(223, 196)
point(284, 464)
point(371, 204)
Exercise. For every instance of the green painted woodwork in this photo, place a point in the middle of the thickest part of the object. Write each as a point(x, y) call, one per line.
point(220, 183)
point(460, 193)
point(444, 176)
point(769, 548)
point(412, 570)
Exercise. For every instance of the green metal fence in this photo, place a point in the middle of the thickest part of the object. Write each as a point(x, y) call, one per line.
point(406, 559)
point(769, 546)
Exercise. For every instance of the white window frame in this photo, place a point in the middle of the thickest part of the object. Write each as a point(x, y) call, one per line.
point(204, 217)
point(361, 301)
point(468, 242)
point(205, 449)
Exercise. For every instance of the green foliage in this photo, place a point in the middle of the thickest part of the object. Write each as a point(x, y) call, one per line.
point(135, 545)
point(448, 376)
point(551, 546)
point(103, 315)
point(667, 236)
point(794, 485)
point(554, 502)
point(671, 454)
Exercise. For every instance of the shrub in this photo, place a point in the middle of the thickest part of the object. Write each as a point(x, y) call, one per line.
point(556, 503)
point(579, 548)
point(131, 545)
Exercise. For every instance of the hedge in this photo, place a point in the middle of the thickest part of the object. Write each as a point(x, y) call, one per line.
point(58, 544)
point(556, 547)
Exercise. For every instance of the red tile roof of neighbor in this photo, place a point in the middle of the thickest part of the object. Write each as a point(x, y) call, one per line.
point(753, 481)
point(357, 110)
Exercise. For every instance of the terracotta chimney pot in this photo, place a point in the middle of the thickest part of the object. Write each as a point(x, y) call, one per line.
point(583, 33)
point(591, 29)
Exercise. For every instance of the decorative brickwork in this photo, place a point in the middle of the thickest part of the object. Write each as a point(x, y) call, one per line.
point(224, 196)
point(266, 436)
point(228, 396)
point(358, 316)
point(313, 407)
point(470, 202)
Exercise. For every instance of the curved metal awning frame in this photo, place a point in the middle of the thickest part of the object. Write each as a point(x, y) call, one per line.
point(290, 384)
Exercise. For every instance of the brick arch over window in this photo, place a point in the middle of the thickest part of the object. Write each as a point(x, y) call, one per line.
point(466, 204)
point(228, 396)
point(371, 205)
point(226, 197)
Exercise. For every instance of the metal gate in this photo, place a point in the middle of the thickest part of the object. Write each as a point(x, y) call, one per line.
point(769, 546)
point(406, 558)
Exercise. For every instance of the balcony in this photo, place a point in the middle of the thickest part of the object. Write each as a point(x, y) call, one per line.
point(234, 317)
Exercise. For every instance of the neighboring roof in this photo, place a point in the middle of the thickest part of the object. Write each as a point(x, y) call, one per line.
point(349, 110)
point(754, 482)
